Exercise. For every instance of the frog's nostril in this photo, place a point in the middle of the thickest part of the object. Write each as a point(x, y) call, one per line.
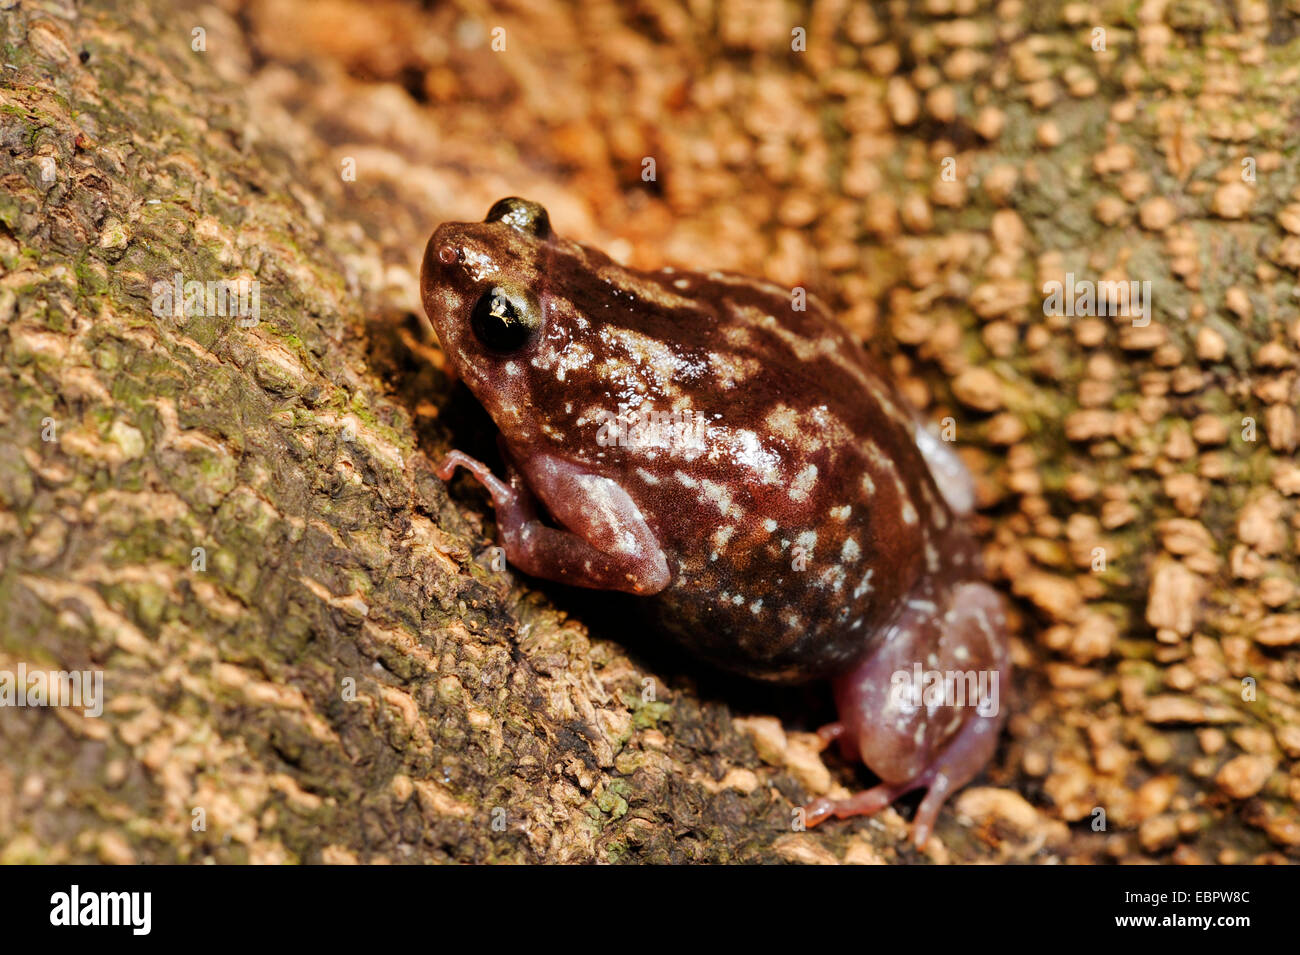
point(448, 254)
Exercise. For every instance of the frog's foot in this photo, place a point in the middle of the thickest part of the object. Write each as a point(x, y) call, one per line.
point(923, 711)
point(504, 497)
point(605, 542)
point(963, 758)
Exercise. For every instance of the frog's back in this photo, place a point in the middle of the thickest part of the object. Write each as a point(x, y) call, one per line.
point(806, 514)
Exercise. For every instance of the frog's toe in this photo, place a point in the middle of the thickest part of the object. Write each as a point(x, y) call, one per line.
point(938, 785)
point(864, 803)
point(500, 491)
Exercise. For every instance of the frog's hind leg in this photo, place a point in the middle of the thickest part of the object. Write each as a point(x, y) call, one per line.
point(924, 710)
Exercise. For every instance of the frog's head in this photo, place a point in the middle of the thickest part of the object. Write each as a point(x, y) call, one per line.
point(481, 283)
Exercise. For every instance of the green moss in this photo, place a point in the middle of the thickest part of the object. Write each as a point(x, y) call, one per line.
point(647, 715)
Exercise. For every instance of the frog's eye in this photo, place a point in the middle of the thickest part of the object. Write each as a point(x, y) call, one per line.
point(528, 217)
point(501, 322)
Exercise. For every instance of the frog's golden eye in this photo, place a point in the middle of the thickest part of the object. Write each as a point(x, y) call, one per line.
point(501, 322)
point(521, 214)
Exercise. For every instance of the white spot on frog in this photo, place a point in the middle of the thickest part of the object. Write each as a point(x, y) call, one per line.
point(477, 263)
point(864, 586)
point(784, 422)
point(720, 538)
point(576, 356)
point(750, 453)
point(719, 495)
point(832, 577)
point(658, 361)
point(730, 369)
point(803, 483)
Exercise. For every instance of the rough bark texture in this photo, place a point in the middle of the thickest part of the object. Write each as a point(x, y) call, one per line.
point(341, 675)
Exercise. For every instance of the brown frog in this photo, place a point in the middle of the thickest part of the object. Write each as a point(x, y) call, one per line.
point(722, 449)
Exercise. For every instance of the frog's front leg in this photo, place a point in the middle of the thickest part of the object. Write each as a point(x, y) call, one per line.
point(948, 645)
point(605, 542)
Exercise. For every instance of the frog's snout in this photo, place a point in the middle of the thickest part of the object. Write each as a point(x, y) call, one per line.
point(441, 252)
point(443, 248)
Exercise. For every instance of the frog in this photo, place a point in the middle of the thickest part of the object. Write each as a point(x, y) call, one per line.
point(722, 450)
